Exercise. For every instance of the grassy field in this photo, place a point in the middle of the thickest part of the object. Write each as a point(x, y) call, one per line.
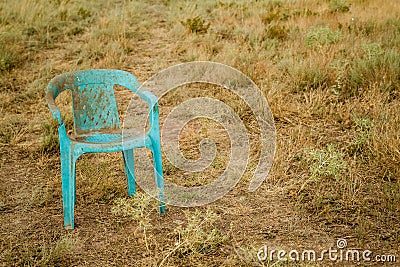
point(330, 70)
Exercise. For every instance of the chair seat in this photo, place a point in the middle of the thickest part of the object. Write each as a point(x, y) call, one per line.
point(110, 138)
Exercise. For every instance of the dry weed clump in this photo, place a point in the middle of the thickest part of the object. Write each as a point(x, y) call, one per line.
point(198, 238)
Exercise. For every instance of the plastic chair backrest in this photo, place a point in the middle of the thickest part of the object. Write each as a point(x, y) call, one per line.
point(93, 100)
point(94, 107)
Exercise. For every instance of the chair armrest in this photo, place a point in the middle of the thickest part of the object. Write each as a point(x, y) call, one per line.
point(53, 107)
point(148, 97)
point(152, 101)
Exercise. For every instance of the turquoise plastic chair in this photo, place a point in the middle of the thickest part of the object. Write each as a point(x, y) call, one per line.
point(97, 128)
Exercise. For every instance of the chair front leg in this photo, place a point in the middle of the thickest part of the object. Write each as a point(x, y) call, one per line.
point(129, 158)
point(158, 172)
point(68, 185)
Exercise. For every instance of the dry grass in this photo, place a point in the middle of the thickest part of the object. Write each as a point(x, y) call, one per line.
point(330, 70)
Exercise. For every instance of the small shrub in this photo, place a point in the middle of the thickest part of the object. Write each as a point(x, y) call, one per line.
point(276, 32)
point(84, 13)
point(199, 236)
point(11, 130)
point(367, 28)
point(196, 25)
point(50, 142)
point(322, 36)
point(360, 144)
point(30, 31)
point(373, 50)
point(341, 67)
point(76, 30)
point(380, 68)
point(311, 79)
point(273, 15)
point(339, 6)
point(135, 208)
point(8, 60)
point(56, 255)
point(63, 15)
point(303, 13)
point(304, 75)
point(325, 163)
